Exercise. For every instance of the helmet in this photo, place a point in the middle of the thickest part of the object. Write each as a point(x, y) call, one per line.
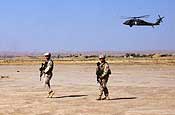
point(47, 54)
point(101, 56)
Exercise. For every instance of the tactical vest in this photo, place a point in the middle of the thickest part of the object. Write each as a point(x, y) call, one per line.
point(102, 67)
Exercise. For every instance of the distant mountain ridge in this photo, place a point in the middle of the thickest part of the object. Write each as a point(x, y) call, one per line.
point(111, 53)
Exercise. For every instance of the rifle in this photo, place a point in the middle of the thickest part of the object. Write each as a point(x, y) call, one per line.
point(98, 72)
point(42, 68)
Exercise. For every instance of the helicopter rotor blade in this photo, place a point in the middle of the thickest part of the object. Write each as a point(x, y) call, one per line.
point(144, 16)
point(124, 17)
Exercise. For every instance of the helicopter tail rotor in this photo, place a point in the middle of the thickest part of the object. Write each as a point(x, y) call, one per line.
point(160, 18)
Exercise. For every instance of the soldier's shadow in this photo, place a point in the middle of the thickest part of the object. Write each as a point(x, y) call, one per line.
point(123, 98)
point(66, 96)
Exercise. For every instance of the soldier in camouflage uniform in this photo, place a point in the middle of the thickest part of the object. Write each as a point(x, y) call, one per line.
point(103, 71)
point(48, 73)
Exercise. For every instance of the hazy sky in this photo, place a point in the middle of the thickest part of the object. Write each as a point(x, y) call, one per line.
point(84, 25)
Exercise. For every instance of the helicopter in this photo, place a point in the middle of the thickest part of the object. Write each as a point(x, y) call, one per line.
point(136, 21)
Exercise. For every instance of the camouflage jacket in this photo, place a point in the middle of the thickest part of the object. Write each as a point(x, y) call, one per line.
point(49, 67)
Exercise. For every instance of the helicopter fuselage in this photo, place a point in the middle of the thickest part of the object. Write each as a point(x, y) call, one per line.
point(139, 22)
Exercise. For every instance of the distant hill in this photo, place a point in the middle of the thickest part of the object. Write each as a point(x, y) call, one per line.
point(83, 53)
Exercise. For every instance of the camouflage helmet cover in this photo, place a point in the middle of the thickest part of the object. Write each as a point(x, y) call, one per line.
point(47, 54)
point(101, 56)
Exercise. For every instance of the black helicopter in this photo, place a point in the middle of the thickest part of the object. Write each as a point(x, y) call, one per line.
point(136, 21)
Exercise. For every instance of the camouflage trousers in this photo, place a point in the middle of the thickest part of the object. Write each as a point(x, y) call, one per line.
point(103, 87)
point(47, 78)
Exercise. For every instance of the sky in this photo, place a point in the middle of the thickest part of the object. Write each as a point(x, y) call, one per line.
point(84, 25)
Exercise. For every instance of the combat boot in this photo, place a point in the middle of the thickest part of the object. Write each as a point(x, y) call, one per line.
point(99, 98)
point(51, 94)
point(106, 98)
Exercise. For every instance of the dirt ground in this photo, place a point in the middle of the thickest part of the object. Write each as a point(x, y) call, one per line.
point(134, 90)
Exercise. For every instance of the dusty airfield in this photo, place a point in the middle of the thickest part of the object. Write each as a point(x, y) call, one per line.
point(134, 90)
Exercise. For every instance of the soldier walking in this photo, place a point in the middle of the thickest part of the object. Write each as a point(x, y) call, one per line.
point(103, 71)
point(46, 73)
